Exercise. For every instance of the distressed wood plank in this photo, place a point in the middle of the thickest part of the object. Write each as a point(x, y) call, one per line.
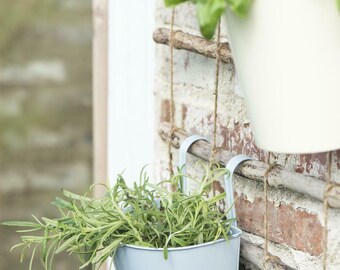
point(100, 93)
point(253, 252)
point(255, 170)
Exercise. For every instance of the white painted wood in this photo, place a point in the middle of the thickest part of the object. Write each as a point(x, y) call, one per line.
point(131, 76)
point(100, 91)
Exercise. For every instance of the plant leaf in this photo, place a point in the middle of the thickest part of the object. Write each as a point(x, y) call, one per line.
point(61, 203)
point(32, 258)
point(171, 3)
point(74, 196)
point(21, 224)
point(165, 252)
point(66, 244)
point(44, 245)
point(209, 13)
point(217, 198)
point(240, 7)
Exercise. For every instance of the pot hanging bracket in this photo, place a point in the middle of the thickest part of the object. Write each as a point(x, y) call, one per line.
point(185, 145)
point(231, 166)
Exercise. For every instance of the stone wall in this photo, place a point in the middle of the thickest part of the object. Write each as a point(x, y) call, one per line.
point(296, 222)
point(45, 111)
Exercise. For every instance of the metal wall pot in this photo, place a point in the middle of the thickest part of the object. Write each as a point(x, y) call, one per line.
point(220, 255)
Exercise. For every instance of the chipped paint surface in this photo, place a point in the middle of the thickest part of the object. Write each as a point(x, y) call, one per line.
point(308, 164)
point(296, 221)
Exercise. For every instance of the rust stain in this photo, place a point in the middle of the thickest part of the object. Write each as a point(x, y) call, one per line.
point(312, 164)
point(217, 189)
point(184, 114)
point(240, 140)
point(337, 159)
point(296, 228)
point(299, 169)
point(165, 111)
point(186, 62)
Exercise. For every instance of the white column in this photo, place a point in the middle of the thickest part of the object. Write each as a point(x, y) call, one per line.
point(131, 87)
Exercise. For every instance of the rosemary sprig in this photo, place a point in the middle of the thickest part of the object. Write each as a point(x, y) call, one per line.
point(145, 215)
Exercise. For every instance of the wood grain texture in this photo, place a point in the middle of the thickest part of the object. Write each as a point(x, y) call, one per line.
point(100, 92)
point(255, 170)
point(253, 252)
point(196, 44)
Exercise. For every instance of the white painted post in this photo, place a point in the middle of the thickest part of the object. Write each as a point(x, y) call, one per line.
point(123, 75)
point(100, 92)
point(131, 77)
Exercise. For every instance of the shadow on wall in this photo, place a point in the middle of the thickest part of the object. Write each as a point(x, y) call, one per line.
point(45, 111)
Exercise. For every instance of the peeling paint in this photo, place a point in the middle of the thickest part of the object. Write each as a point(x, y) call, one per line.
point(296, 221)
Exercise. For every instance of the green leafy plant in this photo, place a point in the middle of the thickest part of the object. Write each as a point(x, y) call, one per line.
point(209, 12)
point(146, 215)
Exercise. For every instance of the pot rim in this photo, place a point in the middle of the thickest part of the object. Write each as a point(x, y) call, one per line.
point(236, 232)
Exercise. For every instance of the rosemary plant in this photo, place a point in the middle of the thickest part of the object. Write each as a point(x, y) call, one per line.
point(146, 215)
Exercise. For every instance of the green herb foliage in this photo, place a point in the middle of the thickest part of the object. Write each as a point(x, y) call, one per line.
point(146, 215)
point(209, 12)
